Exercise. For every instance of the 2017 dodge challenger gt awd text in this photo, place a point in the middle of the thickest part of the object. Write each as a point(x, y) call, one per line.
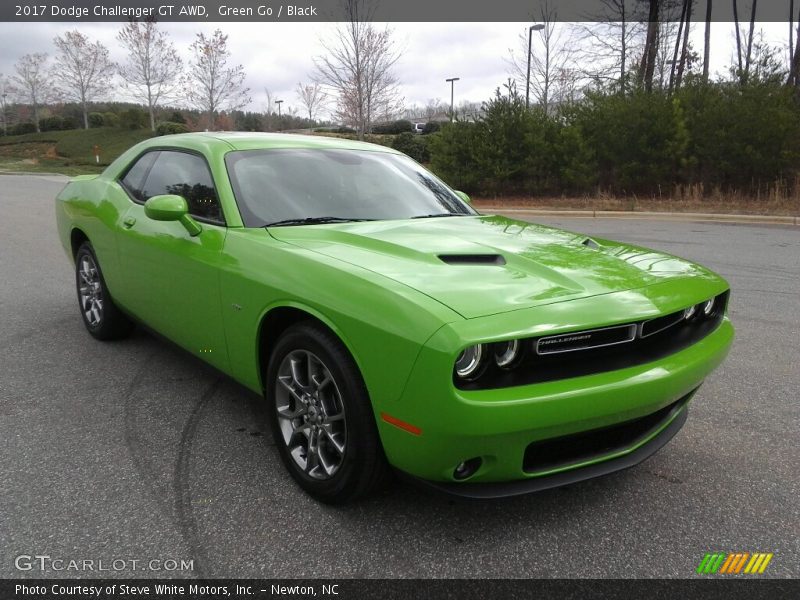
point(388, 325)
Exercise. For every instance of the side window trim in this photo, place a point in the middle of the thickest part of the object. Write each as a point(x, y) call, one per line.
point(124, 174)
point(160, 149)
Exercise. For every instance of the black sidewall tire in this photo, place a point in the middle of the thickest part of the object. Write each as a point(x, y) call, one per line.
point(113, 324)
point(364, 466)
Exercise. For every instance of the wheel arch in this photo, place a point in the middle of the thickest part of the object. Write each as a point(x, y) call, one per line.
point(277, 318)
point(77, 237)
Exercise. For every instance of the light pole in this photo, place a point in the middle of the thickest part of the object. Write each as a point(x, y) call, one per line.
point(280, 121)
point(531, 29)
point(452, 82)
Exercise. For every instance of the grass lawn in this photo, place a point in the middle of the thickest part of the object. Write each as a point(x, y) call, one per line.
point(68, 152)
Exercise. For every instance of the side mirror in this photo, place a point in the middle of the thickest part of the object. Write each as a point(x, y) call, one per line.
point(169, 207)
point(464, 197)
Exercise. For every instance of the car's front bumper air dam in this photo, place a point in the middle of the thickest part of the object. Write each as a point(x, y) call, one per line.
point(490, 490)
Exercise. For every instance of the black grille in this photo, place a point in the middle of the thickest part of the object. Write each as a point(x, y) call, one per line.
point(584, 340)
point(654, 326)
point(656, 339)
point(579, 447)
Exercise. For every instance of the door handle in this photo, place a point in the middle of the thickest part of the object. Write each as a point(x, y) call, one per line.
point(128, 222)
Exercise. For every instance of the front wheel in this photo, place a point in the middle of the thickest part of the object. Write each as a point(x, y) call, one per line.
point(100, 315)
point(321, 416)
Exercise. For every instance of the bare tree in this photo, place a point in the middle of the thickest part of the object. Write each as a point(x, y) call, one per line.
point(707, 47)
point(82, 70)
point(685, 52)
point(551, 61)
point(269, 109)
point(359, 68)
point(311, 96)
point(609, 39)
point(749, 56)
point(794, 68)
point(211, 85)
point(665, 46)
point(648, 64)
point(5, 90)
point(791, 31)
point(153, 67)
point(434, 107)
point(681, 45)
point(32, 82)
point(678, 40)
point(738, 36)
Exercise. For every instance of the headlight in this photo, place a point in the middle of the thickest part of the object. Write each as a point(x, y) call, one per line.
point(708, 307)
point(506, 353)
point(689, 312)
point(469, 362)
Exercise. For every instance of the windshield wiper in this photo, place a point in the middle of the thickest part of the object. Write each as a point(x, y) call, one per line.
point(435, 215)
point(313, 221)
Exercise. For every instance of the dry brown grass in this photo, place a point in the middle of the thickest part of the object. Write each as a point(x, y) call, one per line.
point(685, 199)
point(29, 150)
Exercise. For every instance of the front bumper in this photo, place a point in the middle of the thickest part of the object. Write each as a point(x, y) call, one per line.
point(499, 425)
point(616, 460)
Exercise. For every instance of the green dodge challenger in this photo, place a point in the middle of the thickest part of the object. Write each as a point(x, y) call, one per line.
point(388, 325)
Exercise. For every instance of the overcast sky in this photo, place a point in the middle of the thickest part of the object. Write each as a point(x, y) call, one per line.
point(279, 55)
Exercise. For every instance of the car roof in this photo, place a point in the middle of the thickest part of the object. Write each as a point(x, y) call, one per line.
point(238, 140)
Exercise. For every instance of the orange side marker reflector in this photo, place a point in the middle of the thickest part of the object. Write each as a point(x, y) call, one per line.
point(401, 424)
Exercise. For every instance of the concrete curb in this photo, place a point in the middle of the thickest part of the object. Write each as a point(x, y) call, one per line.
point(650, 215)
point(34, 174)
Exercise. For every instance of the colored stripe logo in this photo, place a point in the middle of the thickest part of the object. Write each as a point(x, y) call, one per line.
point(733, 563)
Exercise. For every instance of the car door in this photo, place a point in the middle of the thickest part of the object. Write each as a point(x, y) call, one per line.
point(171, 279)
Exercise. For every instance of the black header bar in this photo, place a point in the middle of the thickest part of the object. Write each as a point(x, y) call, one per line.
point(708, 588)
point(441, 11)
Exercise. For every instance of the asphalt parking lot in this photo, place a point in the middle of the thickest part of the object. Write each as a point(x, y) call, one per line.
point(135, 450)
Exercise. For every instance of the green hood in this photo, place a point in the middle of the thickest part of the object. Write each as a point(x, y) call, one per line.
point(509, 264)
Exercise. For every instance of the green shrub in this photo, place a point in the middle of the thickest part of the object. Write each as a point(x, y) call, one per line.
point(69, 123)
point(431, 127)
point(169, 128)
point(414, 146)
point(133, 118)
point(110, 119)
point(53, 123)
point(741, 137)
point(177, 117)
point(393, 128)
point(638, 140)
point(453, 155)
point(248, 122)
point(725, 135)
point(22, 129)
point(96, 119)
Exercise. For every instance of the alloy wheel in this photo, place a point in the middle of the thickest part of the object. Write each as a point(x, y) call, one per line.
point(310, 414)
point(90, 291)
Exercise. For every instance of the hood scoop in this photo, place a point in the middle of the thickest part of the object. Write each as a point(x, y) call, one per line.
point(473, 259)
point(590, 243)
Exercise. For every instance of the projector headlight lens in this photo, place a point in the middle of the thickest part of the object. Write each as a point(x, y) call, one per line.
point(505, 353)
point(708, 307)
point(469, 362)
point(689, 312)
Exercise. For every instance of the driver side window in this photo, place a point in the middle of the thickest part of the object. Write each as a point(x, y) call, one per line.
point(180, 173)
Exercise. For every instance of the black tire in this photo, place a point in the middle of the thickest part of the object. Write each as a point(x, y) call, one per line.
point(104, 321)
point(362, 467)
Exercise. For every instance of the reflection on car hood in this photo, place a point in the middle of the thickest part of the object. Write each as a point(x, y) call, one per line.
point(487, 265)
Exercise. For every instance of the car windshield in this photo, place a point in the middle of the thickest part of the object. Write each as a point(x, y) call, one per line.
point(305, 186)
